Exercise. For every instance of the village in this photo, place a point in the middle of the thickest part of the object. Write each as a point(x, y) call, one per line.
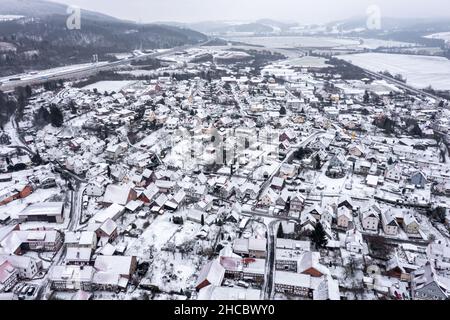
point(212, 177)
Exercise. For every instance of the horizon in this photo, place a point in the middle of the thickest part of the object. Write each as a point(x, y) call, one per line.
point(197, 11)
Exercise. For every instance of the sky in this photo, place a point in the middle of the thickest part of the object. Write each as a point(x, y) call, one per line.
point(302, 11)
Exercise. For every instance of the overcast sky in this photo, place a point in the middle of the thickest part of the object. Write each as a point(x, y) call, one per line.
point(307, 11)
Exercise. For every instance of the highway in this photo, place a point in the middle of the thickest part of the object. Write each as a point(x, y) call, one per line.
point(401, 84)
point(79, 71)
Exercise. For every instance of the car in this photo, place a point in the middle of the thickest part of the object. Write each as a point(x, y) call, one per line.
point(31, 291)
point(320, 187)
point(348, 186)
point(24, 290)
point(243, 284)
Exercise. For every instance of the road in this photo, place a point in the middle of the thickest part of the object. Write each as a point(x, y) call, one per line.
point(80, 71)
point(288, 157)
point(270, 261)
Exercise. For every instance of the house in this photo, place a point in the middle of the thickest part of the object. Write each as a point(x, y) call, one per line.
point(410, 224)
point(309, 264)
point(118, 195)
point(277, 183)
point(18, 191)
point(113, 152)
point(356, 150)
point(397, 268)
point(211, 274)
point(95, 189)
point(344, 217)
point(269, 198)
point(107, 230)
point(297, 203)
point(228, 293)
point(418, 179)
point(328, 289)
point(112, 212)
point(345, 201)
point(296, 284)
point(427, 285)
point(354, 241)
point(18, 241)
point(254, 248)
point(389, 223)
point(257, 248)
point(71, 278)
point(337, 161)
point(123, 266)
point(52, 212)
point(370, 218)
point(78, 256)
point(8, 276)
point(393, 174)
point(26, 266)
point(84, 239)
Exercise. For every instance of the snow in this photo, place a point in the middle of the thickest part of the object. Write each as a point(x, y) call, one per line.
point(297, 41)
point(420, 71)
point(109, 86)
point(441, 35)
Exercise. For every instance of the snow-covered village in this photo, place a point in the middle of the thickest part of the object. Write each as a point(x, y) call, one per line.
point(223, 171)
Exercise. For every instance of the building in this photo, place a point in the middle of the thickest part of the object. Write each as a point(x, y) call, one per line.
point(52, 212)
point(370, 218)
point(85, 239)
point(389, 223)
point(418, 179)
point(8, 275)
point(71, 278)
point(290, 283)
point(427, 285)
point(211, 274)
point(26, 266)
point(344, 217)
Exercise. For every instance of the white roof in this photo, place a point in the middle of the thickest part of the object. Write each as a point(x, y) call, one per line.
point(43, 208)
point(116, 194)
point(120, 265)
point(213, 272)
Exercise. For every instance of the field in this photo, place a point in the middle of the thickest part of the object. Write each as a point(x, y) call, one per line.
point(442, 35)
point(420, 71)
point(109, 86)
point(319, 42)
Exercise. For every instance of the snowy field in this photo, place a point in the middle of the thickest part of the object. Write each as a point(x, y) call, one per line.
point(441, 35)
point(320, 42)
point(296, 42)
point(109, 86)
point(307, 62)
point(420, 71)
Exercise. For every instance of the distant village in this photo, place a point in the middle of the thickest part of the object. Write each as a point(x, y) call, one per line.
point(218, 178)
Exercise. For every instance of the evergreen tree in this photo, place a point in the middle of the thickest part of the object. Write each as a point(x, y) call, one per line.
point(280, 232)
point(56, 116)
point(318, 236)
point(283, 111)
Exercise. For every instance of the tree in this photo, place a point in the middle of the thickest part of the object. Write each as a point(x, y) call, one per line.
point(318, 236)
point(366, 97)
point(280, 232)
point(283, 111)
point(390, 161)
point(56, 116)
